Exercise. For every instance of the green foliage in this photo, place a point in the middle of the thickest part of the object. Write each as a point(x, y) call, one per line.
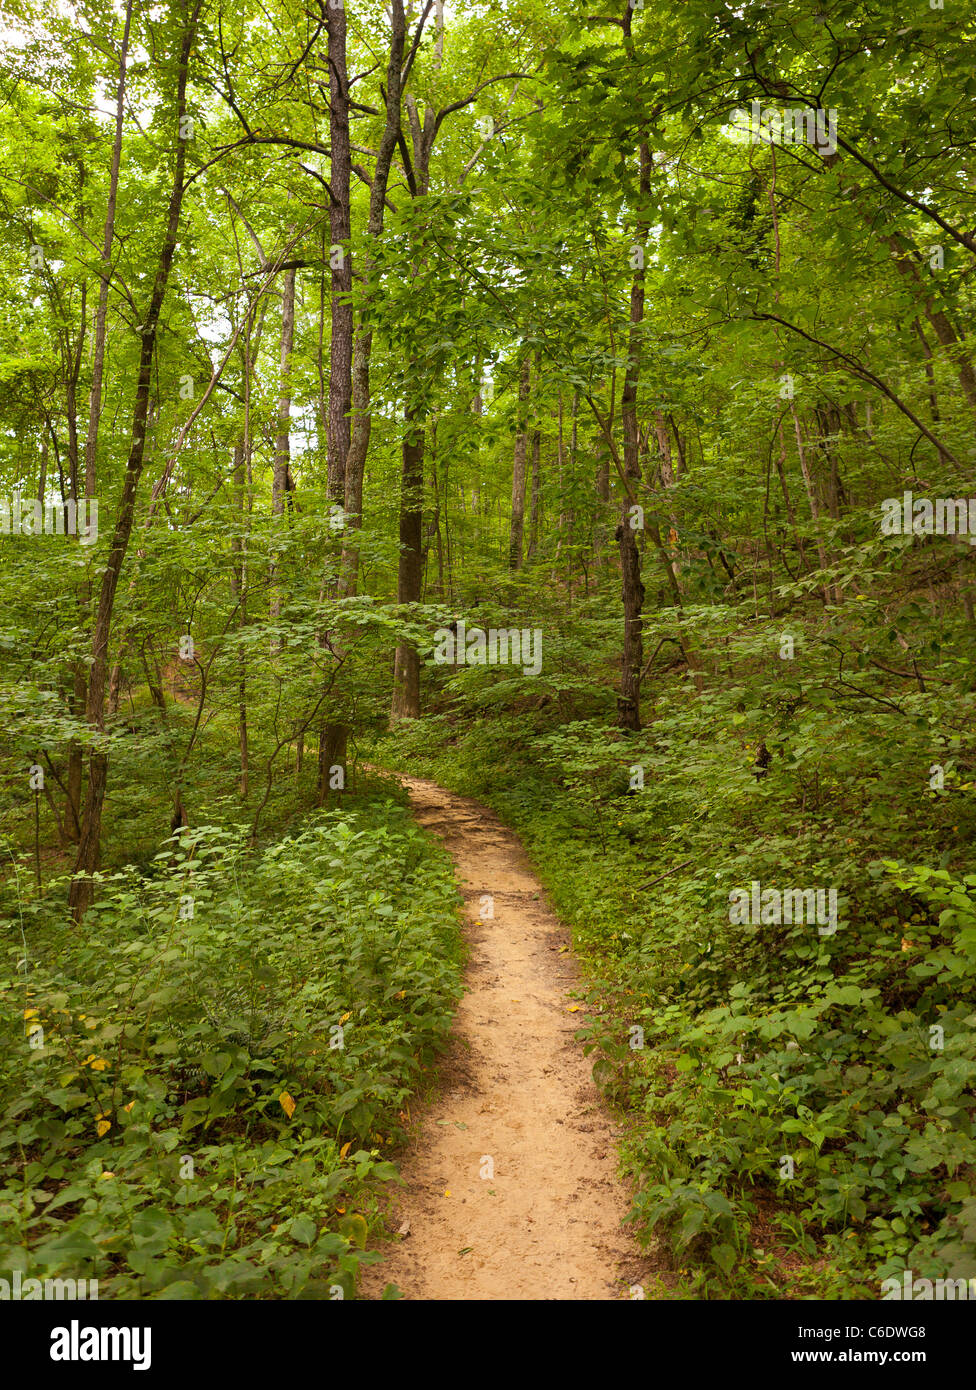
point(769, 339)
point(207, 1111)
point(799, 1101)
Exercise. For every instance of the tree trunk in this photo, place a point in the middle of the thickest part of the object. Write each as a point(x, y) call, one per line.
point(602, 500)
point(362, 416)
point(535, 493)
point(406, 670)
point(632, 589)
point(281, 478)
point(238, 584)
point(332, 741)
point(105, 273)
point(939, 320)
point(518, 469)
point(89, 846)
point(340, 342)
point(810, 486)
point(282, 456)
point(75, 754)
point(332, 753)
point(667, 482)
point(346, 443)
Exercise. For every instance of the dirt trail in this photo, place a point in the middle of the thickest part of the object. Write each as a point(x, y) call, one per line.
point(515, 1088)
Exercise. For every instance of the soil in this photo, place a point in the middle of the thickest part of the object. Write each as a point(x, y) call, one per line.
point(511, 1187)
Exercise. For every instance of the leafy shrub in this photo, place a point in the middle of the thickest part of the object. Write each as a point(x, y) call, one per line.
point(196, 1101)
point(799, 1102)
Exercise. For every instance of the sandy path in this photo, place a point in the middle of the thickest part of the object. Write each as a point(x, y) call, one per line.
point(515, 1089)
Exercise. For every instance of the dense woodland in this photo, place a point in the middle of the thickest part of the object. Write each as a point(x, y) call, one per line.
point(352, 331)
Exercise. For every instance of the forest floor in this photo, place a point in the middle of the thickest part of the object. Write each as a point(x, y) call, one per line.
point(511, 1187)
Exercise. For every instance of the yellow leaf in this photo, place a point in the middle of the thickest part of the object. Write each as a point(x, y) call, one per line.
point(103, 1127)
point(344, 1017)
point(129, 1106)
point(447, 1194)
point(107, 1174)
point(573, 1009)
point(345, 1149)
point(287, 1104)
point(31, 1013)
point(906, 945)
point(99, 1064)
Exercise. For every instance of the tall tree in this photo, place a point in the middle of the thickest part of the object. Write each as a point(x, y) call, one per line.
point(89, 845)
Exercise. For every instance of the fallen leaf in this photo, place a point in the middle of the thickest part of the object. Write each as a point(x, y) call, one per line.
point(287, 1104)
